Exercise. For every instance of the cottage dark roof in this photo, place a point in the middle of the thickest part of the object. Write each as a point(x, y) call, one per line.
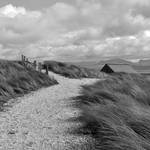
point(121, 68)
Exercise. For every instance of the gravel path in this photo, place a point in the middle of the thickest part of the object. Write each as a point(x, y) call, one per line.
point(38, 121)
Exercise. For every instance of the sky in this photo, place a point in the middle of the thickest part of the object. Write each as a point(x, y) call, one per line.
point(75, 30)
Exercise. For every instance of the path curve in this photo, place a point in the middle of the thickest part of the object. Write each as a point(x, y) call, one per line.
point(38, 120)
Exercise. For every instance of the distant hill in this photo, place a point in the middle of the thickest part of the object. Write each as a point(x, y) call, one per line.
point(64, 67)
point(71, 70)
point(144, 62)
point(97, 64)
point(115, 61)
point(86, 64)
point(142, 69)
point(143, 66)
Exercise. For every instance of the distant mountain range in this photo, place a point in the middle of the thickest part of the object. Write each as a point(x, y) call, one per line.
point(96, 64)
point(87, 64)
point(143, 66)
point(93, 64)
point(144, 62)
point(115, 61)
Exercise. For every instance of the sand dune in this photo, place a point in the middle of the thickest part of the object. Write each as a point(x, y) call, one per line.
point(38, 121)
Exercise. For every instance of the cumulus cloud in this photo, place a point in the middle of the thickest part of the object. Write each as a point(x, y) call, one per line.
point(66, 49)
point(19, 25)
point(11, 11)
point(63, 11)
point(85, 30)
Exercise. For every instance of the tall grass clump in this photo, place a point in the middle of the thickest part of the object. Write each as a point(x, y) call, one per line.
point(116, 112)
point(72, 71)
point(15, 80)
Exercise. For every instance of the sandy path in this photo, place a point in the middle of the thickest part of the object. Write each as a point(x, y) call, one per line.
point(38, 120)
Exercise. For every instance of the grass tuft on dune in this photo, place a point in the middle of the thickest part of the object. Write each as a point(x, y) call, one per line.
point(116, 112)
point(15, 79)
point(72, 71)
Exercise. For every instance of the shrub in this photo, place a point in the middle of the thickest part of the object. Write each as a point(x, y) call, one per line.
point(116, 112)
point(15, 79)
point(72, 71)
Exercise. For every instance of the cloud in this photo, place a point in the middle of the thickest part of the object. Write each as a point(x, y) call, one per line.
point(86, 30)
point(17, 25)
point(11, 11)
point(126, 3)
point(139, 2)
point(115, 17)
point(21, 26)
point(9, 53)
point(66, 48)
point(63, 11)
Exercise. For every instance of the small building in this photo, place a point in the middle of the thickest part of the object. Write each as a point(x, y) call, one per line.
point(116, 68)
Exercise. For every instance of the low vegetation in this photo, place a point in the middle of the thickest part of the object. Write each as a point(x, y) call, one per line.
point(116, 112)
point(72, 71)
point(16, 80)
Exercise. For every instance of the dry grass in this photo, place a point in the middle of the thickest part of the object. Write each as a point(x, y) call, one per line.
point(116, 112)
point(16, 80)
point(72, 71)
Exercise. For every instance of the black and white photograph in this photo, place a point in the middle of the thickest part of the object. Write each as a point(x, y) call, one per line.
point(74, 74)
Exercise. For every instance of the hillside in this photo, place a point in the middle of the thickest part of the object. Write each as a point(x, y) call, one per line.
point(86, 64)
point(40, 120)
point(144, 62)
point(97, 64)
point(116, 112)
point(115, 61)
point(142, 69)
point(72, 71)
point(16, 80)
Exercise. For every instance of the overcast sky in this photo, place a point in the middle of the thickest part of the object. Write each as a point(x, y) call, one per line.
point(75, 29)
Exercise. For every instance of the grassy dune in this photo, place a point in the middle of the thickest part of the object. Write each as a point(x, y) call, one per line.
point(116, 112)
point(16, 80)
point(72, 71)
